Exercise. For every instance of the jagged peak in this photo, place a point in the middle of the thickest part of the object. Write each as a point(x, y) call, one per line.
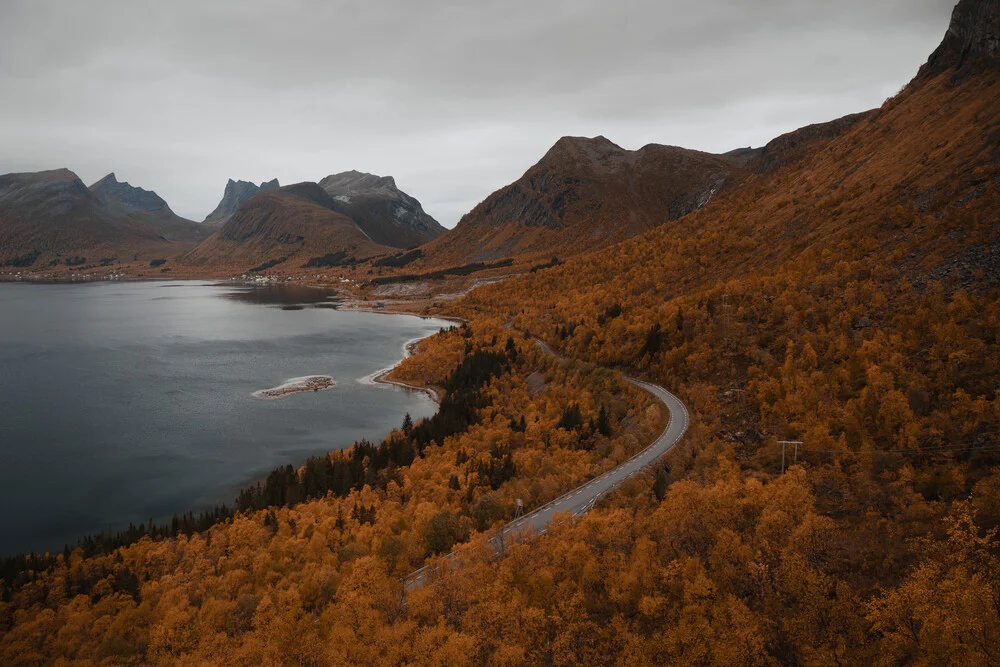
point(265, 185)
point(235, 194)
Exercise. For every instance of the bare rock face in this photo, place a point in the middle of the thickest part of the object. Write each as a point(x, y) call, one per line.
point(146, 207)
point(972, 42)
point(384, 212)
point(110, 190)
point(236, 193)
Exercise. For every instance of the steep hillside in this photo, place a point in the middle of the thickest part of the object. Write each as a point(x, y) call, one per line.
point(906, 196)
point(236, 193)
point(285, 228)
point(388, 215)
point(146, 207)
point(47, 215)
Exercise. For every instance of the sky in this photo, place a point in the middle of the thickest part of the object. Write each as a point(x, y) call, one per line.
point(454, 99)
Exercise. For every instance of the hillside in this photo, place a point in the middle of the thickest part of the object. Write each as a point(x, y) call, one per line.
point(233, 196)
point(386, 214)
point(848, 302)
point(51, 217)
point(146, 207)
point(845, 296)
point(284, 228)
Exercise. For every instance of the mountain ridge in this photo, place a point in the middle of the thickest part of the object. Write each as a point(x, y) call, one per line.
point(45, 215)
point(148, 208)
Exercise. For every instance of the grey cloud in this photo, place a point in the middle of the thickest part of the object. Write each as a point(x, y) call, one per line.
point(452, 98)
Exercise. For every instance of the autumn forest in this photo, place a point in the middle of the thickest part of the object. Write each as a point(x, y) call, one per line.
point(844, 301)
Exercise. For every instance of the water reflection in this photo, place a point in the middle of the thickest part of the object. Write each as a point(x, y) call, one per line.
point(287, 296)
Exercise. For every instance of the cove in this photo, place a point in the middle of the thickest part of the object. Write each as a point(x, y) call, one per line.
point(124, 402)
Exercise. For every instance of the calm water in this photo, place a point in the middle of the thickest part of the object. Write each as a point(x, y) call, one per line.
point(127, 401)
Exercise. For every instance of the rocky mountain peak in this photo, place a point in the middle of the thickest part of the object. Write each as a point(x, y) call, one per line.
point(972, 42)
point(235, 194)
point(112, 191)
point(386, 213)
point(590, 154)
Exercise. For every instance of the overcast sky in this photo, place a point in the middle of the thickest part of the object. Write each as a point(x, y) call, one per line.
point(455, 99)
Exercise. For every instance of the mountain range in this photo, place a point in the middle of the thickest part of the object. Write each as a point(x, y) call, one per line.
point(352, 215)
point(583, 194)
point(47, 215)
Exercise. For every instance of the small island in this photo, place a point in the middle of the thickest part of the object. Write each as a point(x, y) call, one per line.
point(295, 385)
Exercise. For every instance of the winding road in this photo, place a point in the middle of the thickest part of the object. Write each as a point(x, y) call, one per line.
point(582, 498)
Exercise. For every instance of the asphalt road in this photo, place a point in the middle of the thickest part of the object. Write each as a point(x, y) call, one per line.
point(582, 498)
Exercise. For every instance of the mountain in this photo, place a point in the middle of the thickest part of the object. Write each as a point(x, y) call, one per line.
point(293, 224)
point(909, 190)
point(586, 193)
point(235, 194)
point(590, 193)
point(47, 214)
point(147, 207)
point(388, 215)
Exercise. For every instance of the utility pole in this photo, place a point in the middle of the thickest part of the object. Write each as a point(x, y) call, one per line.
point(725, 322)
point(785, 443)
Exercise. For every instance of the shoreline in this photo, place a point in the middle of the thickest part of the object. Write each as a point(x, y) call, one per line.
point(409, 349)
point(382, 376)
